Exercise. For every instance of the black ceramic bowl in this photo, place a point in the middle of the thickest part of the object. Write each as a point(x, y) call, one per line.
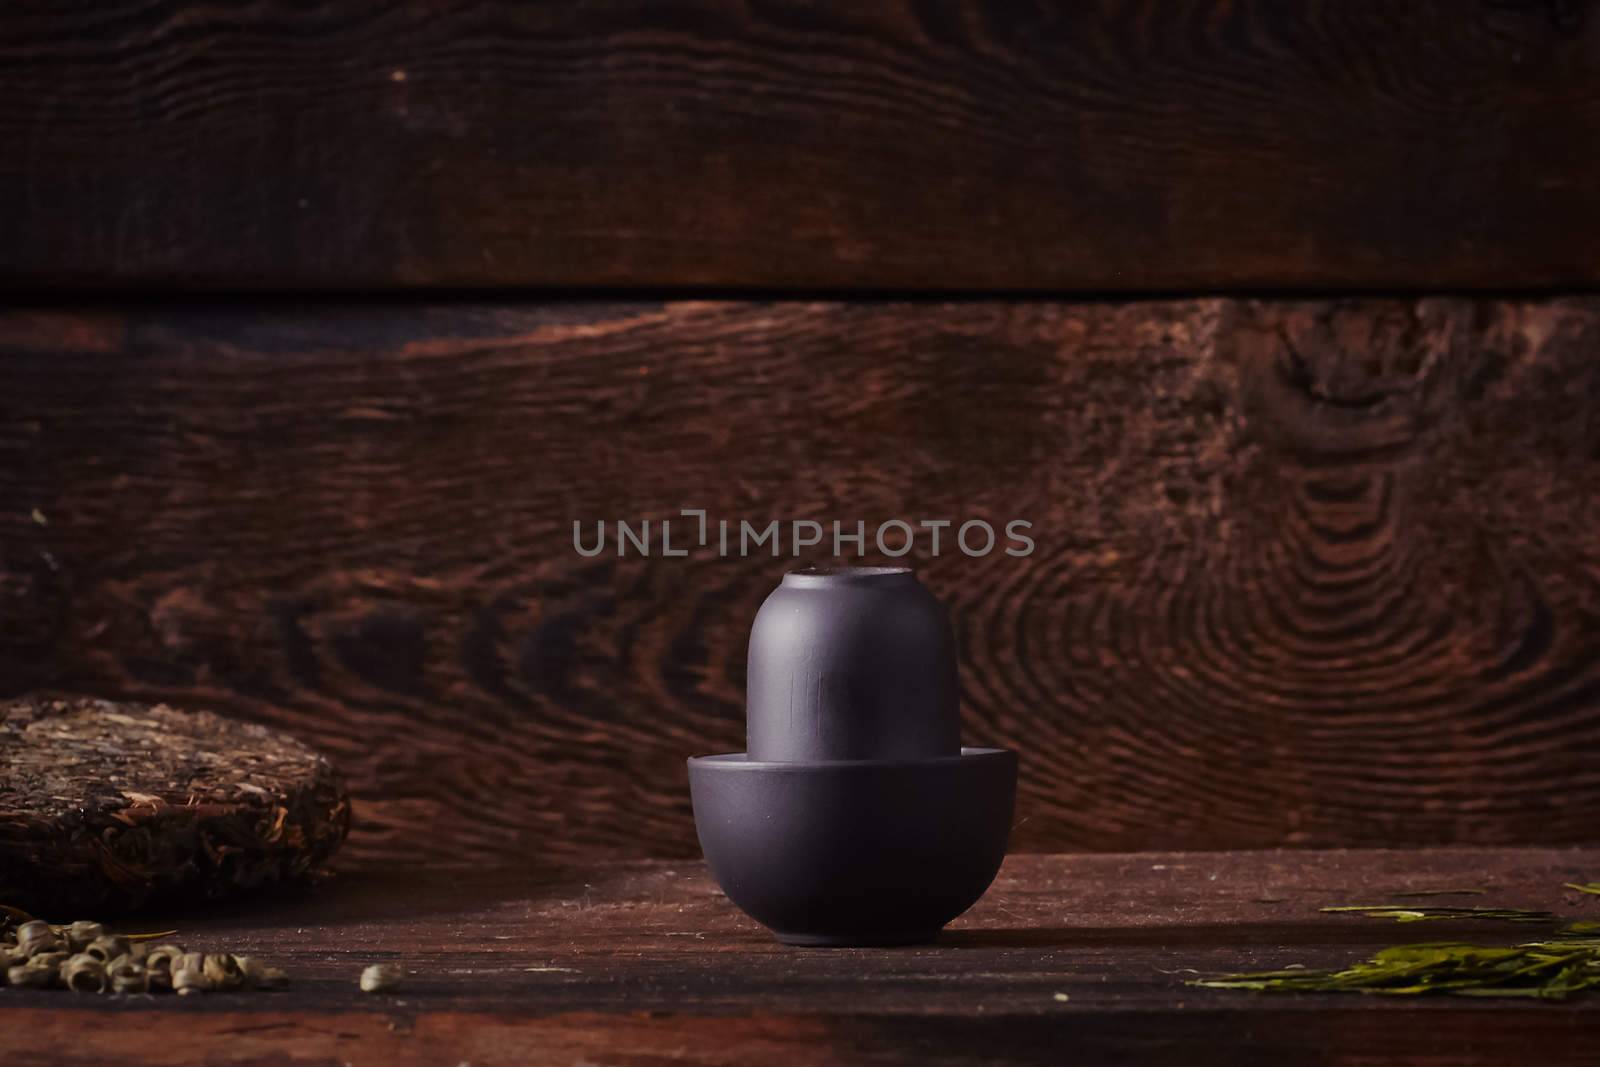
point(873, 852)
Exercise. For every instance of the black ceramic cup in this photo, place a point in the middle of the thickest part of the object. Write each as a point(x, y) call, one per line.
point(852, 663)
point(856, 817)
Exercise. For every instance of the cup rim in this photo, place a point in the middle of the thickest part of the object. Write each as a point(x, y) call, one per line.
point(735, 761)
point(828, 575)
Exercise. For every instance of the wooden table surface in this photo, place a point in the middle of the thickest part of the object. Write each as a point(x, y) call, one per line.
point(1080, 958)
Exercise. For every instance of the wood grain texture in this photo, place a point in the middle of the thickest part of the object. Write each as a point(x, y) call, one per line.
point(1306, 573)
point(958, 144)
point(647, 963)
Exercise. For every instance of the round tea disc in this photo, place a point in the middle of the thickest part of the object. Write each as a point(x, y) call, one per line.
point(105, 807)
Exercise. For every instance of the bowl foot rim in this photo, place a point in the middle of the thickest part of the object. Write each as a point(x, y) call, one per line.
point(880, 939)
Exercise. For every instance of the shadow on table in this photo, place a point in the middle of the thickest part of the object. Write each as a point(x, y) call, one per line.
point(362, 896)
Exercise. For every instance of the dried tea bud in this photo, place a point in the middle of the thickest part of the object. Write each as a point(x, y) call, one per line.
point(163, 955)
point(246, 966)
point(159, 964)
point(249, 970)
point(29, 976)
point(127, 975)
point(51, 960)
point(382, 978)
point(107, 947)
point(80, 934)
point(35, 936)
point(11, 956)
point(221, 971)
point(258, 975)
point(189, 978)
point(131, 983)
point(84, 973)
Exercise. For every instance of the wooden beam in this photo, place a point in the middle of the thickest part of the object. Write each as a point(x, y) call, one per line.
point(1305, 573)
point(1123, 145)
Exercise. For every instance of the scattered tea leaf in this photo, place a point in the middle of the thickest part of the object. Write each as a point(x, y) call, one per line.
point(382, 978)
point(1546, 970)
point(1429, 914)
point(1555, 969)
point(1412, 893)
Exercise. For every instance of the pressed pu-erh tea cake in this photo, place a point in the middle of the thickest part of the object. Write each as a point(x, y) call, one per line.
point(107, 806)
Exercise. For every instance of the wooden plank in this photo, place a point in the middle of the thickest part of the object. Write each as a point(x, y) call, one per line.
point(1123, 145)
point(646, 962)
point(1305, 573)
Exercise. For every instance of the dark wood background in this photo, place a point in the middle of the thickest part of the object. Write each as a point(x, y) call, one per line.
point(1307, 572)
point(323, 322)
point(923, 144)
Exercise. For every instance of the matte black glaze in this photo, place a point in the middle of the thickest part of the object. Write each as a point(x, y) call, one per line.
point(855, 853)
point(856, 818)
point(852, 663)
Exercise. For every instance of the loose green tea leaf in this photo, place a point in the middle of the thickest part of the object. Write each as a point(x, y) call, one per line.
point(1554, 969)
point(1429, 914)
point(1546, 970)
